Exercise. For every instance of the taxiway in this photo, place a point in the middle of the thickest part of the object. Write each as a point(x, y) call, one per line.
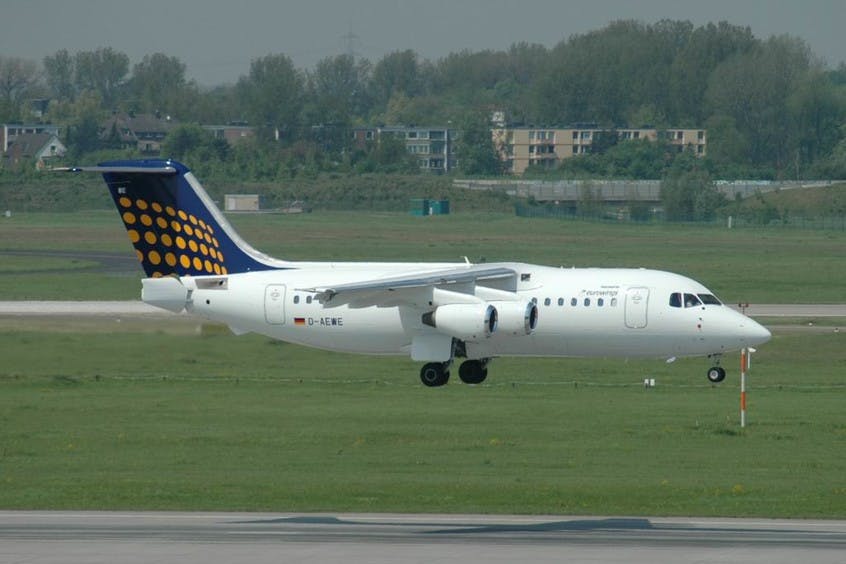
point(209, 538)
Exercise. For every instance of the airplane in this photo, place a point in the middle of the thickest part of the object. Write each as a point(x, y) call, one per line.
point(435, 312)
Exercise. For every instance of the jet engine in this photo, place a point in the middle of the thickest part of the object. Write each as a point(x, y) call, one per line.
point(516, 318)
point(468, 322)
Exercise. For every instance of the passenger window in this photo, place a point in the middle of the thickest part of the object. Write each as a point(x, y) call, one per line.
point(675, 299)
point(560, 301)
point(308, 299)
point(547, 302)
point(600, 302)
point(296, 299)
point(613, 302)
point(535, 301)
point(574, 302)
point(587, 302)
point(690, 300)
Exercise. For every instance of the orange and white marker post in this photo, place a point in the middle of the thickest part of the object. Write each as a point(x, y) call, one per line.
point(745, 357)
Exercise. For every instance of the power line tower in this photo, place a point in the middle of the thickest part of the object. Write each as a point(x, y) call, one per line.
point(350, 39)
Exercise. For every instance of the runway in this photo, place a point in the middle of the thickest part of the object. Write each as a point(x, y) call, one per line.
point(211, 538)
point(793, 310)
point(128, 308)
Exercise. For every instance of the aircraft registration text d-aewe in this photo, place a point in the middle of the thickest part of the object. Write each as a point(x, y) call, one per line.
point(434, 312)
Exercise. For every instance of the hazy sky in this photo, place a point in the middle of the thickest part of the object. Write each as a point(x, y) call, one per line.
point(217, 39)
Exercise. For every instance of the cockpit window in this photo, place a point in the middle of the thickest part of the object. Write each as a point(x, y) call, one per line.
point(690, 300)
point(693, 300)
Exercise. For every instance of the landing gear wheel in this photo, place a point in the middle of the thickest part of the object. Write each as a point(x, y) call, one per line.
point(716, 374)
point(434, 374)
point(473, 371)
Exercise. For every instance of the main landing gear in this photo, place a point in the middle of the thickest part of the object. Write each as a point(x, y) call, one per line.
point(434, 374)
point(473, 371)
point(716, 374)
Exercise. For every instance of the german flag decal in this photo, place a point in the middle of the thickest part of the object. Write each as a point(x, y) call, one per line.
point(299, 321)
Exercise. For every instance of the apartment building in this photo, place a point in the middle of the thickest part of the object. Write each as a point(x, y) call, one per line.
point(522, 147)
point(434, 147)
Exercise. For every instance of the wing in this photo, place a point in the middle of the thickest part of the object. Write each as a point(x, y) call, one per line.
point(413, 288)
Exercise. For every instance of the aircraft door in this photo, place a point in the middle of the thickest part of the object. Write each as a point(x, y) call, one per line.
point(274, 304)
point(637, 302)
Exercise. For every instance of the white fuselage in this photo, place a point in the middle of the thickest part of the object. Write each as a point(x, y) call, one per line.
point(589, 312)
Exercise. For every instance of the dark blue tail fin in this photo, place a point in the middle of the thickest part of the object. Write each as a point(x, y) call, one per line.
point(173, 224)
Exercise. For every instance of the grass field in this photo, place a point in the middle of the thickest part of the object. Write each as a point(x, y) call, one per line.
point(749, 265)
point(102, 414)
point(124, 415)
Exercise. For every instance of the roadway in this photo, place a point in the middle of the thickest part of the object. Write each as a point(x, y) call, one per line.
point(28, 537)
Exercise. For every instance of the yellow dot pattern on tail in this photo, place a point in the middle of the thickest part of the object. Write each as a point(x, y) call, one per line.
point(165, 237)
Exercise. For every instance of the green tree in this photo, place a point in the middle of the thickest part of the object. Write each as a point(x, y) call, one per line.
point(705, 48)
point(272, 94)
point(603, 141)
point(387, 154)
point(838, 75)
point(753, 88)
point(102, 71)
point(396, 73)
point(818, 109)
point(158, 84)
point(17, 79)
point(833, 166)
point(688, 192)
point(524, 64)
point(475, 148)
point(82, 118)
point(639, 159)
point(218, 105)
point(726, 144)
point(469, 79)
point(590, 204)
point(183, 139)
point(605, 75)
point(338, 90)
point(402, 109)
point(191, 142)
point(59, 74)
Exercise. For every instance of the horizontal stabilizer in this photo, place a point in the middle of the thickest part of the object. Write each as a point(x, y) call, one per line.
point(118, 169)
point(167, 293)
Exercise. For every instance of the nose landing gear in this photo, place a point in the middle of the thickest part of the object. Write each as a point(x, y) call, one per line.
point(716, 374)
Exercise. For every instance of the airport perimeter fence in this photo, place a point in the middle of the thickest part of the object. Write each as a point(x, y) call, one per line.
point(830, 223)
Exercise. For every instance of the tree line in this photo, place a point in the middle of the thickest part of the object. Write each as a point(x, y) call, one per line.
point(771, 107)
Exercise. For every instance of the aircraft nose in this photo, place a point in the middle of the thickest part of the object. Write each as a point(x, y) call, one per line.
point(753, 333)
